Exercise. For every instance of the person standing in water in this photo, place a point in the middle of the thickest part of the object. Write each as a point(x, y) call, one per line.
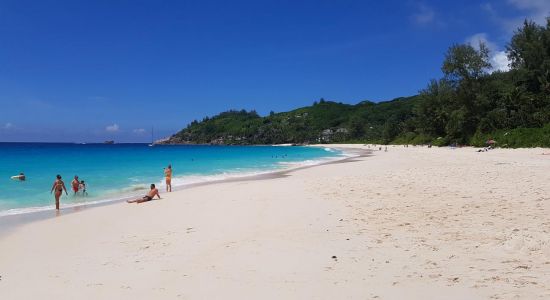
point(59, 187)
point(168, 175)
point(75, 183)
point(82, 187)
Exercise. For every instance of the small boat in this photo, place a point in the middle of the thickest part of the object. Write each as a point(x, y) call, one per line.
point(109, 142)
point(152, 141)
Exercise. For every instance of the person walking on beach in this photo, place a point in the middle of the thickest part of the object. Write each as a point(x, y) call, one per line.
point(59, 187)
point(168, 175)
point(75, 183)
point(152, 193)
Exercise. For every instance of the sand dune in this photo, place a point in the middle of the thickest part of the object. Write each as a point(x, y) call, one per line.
point(410, 223)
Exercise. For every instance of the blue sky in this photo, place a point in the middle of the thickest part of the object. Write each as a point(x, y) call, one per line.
point(76, 71)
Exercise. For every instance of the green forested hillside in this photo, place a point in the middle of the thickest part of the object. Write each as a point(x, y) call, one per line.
point(469, 105)
point(324, 121)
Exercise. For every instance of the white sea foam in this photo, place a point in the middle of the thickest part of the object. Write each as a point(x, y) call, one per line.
point(27, 210)
point(183, 181)
point(312, 162)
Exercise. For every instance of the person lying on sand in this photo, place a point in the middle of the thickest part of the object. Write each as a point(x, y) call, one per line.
point(152, 193)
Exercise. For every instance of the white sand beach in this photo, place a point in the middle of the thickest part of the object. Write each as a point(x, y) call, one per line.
point(410, 223)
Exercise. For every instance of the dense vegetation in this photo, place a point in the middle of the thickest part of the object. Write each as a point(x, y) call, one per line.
point(468, 105)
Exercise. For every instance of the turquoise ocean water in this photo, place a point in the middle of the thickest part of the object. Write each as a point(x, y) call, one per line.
point(117, 171)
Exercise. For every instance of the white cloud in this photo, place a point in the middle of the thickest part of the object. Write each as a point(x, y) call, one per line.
point(488, 7)
point(112, 128)
point(8, 126)
point(498, 59)
point(139, 131)
point(533, 10)
point(537, 10)
point(477, 38)
point(424, 15)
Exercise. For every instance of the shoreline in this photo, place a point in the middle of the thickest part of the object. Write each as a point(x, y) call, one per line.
point(410, 223)
point(10, 222)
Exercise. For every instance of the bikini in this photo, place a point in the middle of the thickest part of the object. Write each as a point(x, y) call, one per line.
point(59, 186)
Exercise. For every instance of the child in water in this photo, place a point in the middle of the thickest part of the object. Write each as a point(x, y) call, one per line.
point(82, 187)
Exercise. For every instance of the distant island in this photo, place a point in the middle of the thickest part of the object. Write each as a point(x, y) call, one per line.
point(469, 105)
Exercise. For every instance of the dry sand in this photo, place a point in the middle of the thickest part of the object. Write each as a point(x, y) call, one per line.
point(410, 223)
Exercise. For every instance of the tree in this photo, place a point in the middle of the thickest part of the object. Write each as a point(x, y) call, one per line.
point(357, 126)
point(390, 130)
point(465, 67)
point(526, 49)
point(457, 124)
point(465, 63)
point(436, 103)
point(529, 52)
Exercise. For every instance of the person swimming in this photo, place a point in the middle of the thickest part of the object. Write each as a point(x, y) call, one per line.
point(20, 177)
point(59, 187)
point(152, 193)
